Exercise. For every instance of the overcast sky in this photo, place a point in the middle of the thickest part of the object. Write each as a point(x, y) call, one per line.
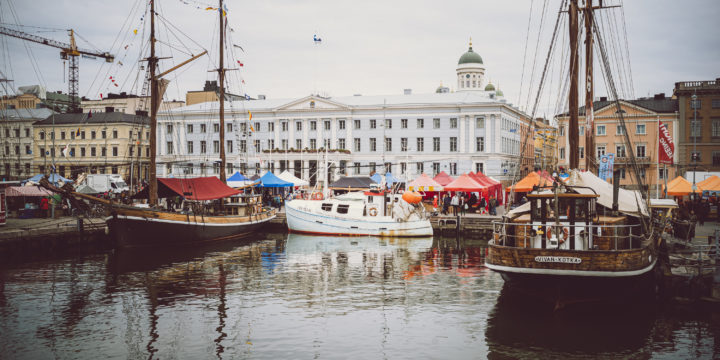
point(368, 47)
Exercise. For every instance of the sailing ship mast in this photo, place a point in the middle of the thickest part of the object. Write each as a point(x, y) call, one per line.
point(573, 97)
point(221, 81)
point(152, 63)
point(590, 161)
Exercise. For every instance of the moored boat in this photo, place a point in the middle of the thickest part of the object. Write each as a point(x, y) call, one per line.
point(371, 213)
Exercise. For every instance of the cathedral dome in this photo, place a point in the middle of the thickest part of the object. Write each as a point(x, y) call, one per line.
point(490, 87)
point(470, 57)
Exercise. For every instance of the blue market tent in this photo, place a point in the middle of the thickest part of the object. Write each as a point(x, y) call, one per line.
point(53, 178)
point(390, 179)
point(237, 176)
point(377, 178)
point(272, 181)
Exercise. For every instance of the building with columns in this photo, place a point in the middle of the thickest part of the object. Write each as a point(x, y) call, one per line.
point(472, 129)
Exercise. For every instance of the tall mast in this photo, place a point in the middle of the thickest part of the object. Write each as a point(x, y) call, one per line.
point(573, 98)
point(590, 161)
point(221, 81)
point(152, 63)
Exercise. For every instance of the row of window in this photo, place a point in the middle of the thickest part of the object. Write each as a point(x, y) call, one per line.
point(620, 151)
point(16, 132)
point(640, 129)
point(71, 151)
point(697, 104)
point(28, 150)
point(357, 145)
point(81, 134)
point(357, 125)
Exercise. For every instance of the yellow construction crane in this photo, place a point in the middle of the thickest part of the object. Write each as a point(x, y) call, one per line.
point(67, 52)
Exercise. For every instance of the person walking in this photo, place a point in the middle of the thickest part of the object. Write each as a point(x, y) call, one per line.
point(455, 202)
point(483, 204)
point(435, 203)
point(493, 205)
point(446, 204)
point(463, 205)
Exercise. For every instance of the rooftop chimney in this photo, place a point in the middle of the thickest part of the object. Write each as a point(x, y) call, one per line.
point(660, 96)
point(603, 98)
point(109, 109)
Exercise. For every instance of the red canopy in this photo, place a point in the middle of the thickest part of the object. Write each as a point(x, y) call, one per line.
point(494, 186)
point(464, 183)
point(443, 179)
point(203, 188)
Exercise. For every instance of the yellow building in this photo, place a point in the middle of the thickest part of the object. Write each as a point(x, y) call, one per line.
point(642, 118)
point(102, 143)
point(545, 144)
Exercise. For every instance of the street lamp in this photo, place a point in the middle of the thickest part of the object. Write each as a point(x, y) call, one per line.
point(694, 156)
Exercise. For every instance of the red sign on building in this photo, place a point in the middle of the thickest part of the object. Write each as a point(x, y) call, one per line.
point(666, 145)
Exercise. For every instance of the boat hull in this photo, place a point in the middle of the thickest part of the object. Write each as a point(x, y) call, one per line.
point(135, 228)
point(310, 223)
point(571, 276)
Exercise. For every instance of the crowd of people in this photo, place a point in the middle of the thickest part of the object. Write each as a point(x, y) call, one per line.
point(692, 212)
point(461, 204)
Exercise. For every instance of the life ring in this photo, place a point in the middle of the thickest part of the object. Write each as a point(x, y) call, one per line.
point(373, 212)
point(565, 234)
point(317, 196)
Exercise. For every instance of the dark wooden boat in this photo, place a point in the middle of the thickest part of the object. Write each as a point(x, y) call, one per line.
point(564, 248)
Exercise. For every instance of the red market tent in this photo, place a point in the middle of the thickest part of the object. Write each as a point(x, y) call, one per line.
point(443, 179)
point(465, 183)
point(494, 187)
point(202, 188)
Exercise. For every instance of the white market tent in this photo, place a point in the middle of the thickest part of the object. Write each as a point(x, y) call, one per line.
point(289, 177)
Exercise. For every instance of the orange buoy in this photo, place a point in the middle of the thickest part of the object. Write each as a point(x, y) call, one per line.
point(412, 197)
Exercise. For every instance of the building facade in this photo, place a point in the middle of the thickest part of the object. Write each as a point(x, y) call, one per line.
point(16, 132)
point(642, 119)
point(125, 103)
point(102, 143)
point(469, 130)
point(545, 144)
point(699, 124)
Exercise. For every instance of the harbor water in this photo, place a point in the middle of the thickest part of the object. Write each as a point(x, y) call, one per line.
point(301, 297)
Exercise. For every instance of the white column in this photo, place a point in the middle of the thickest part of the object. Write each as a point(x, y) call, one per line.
point(333, 133)
point(471, 135)
point(461, 136)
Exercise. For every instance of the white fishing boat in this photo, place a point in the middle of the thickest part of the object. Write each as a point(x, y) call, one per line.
point(373, 213)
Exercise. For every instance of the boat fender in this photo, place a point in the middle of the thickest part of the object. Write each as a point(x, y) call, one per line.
point(373, 212)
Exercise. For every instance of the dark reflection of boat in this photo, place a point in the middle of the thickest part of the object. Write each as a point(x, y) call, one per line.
point(521, 327)
point(128, 260)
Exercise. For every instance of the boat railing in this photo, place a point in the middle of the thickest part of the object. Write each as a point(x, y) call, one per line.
point(604, 237)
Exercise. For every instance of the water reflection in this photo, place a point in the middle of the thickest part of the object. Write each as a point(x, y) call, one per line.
point(312, 297)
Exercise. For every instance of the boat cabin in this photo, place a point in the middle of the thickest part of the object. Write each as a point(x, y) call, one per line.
point(567, 221)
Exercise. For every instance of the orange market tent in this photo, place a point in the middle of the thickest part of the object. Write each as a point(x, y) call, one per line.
point(527, 183)
point(424, 183)
point(465, 183)
point(680, 187)
point(710, 184)
point(443, 178)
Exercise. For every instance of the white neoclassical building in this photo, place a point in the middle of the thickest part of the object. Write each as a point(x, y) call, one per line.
point(471, 129)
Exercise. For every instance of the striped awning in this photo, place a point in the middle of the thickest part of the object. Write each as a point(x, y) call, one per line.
point(27, 191)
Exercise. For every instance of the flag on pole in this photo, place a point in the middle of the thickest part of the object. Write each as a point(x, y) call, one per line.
point(666, 145)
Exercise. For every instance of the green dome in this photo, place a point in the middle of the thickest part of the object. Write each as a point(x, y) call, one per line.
point(470, 57)
point(499, 93)
point(490, 87)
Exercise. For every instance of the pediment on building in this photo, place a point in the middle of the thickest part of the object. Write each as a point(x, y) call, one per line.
point(310, 103)
point(610, 110)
